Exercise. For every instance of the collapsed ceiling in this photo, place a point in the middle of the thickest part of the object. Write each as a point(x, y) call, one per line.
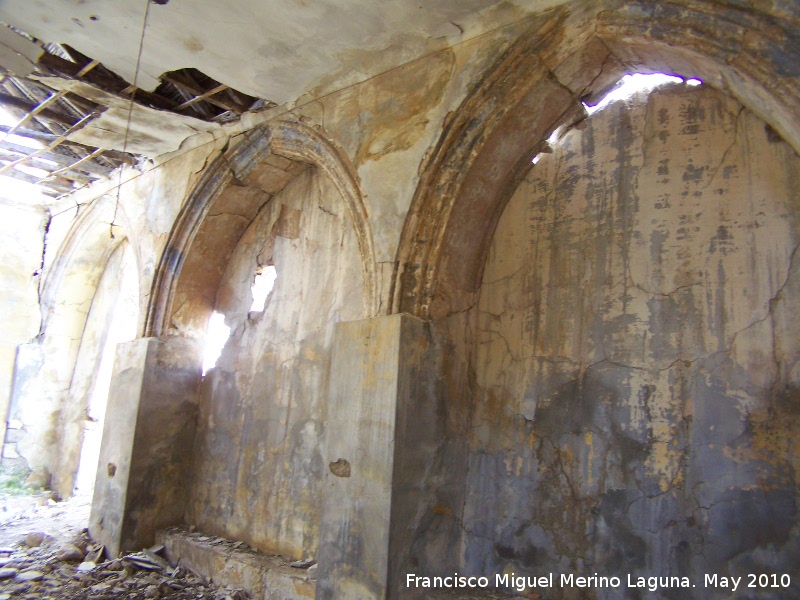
point(65, 113)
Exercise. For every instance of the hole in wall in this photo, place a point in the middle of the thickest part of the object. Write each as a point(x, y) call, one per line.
point(340, 468)
point(263, 283)
point(627, 87)
point(636, 83)
point(554, 137)
point(217, 333)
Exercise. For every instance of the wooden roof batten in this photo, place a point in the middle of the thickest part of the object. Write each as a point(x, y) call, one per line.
point(48, 117)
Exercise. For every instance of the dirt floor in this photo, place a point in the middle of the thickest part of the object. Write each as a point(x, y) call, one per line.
point(45, 552)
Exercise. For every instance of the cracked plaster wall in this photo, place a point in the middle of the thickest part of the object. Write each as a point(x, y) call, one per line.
point(258, 469)
point(632, 319)
point(46, 363)
point(387, 124)
point(636, 406)
point(21, 255)
point(45, 412)
point(114, 305)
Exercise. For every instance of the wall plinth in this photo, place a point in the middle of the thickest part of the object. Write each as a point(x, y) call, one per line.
point(142, 474)
point(379, 444)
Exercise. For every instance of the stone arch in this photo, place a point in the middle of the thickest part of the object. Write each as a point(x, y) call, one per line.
point(42, 397)
point(99, 229)
point(193, 263)
point(567, 55)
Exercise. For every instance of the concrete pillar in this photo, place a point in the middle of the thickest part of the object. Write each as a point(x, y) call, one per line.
point(146, 451)
point(379, 444)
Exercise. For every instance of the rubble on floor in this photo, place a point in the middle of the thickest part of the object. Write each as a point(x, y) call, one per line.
point(46, 554)
point(47, 570)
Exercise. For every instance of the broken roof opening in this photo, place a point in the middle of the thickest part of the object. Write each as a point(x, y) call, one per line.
point(36, 123)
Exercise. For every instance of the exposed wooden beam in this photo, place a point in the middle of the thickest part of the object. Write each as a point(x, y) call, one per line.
point(73, 166)
point(243, 99)
point(204, 96)
point(50, 137)
point(39, 108)
point(182, 81)
point(120, 157)
point(47, 131)
point(66, 173)
point(86, 68)
point(28, 107)
point(41, 136)
point(103, 78)
point(56, 157)
point(52, 144)
point(60, 187)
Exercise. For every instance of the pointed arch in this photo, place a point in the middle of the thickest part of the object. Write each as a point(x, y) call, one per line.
point(280, 150)
point(569, 54)
point(43, 397)
point(98, 230)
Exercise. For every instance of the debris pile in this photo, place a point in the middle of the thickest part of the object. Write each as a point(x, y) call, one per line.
point(41, 567)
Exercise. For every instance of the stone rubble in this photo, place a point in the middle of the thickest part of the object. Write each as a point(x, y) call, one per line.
point(44, 554)
point(55, 572)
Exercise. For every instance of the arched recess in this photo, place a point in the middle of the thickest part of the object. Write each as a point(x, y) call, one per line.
point(44, 401)
point(113, 319)
point(481, 159)
point(194, 261)
point(286, 197)
point(624, 378)
point(569, 54)
point(98, 230)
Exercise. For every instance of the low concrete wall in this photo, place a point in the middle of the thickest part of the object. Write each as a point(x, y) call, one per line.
point(226, 563)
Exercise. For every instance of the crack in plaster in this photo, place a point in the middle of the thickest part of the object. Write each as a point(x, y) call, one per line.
point(609, 55)
point(641, 288)
point(771, 303)
point(731, 146)
point(39, 273)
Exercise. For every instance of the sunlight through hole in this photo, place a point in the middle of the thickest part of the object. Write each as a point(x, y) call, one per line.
point(262, 286)
point(631, 85)
point(217, 334)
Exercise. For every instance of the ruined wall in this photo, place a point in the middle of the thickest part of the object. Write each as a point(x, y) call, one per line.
point(384, 126)
point(259, 469)
point(22, 231)
point(114, 305)
point(85, 229)
point(636, 405)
